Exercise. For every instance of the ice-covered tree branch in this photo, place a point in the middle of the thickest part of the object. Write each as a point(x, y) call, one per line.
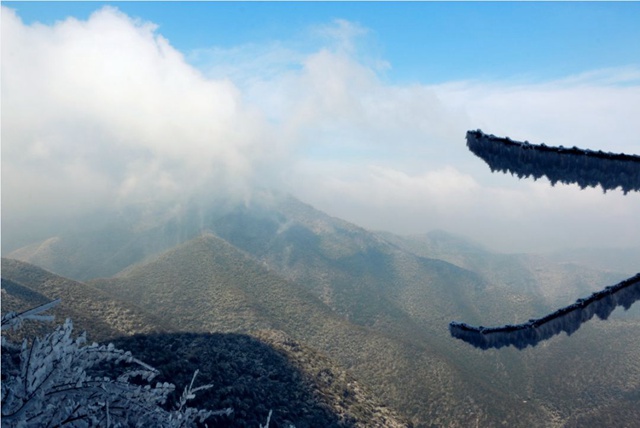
point(586, 168)
point(567, 319)
point(59, 380)
point(15, 320)
point(558, 164)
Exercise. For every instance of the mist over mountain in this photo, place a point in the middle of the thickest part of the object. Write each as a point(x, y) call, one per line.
point(611, 259)
point(376, 304)
point(141, 141)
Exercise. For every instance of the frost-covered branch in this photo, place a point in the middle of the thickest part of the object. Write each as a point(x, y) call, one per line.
point(59, 381)
point(567, 319)
point(266, 425)
point(565, 165)
point(14, 320)
point(586, 168)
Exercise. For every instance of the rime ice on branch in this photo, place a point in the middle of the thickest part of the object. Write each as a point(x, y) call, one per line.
point(58, 380)
point(558, 164)
point(567, 319)
point(586, 168)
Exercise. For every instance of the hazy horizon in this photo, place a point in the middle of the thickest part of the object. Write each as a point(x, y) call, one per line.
point(358, 110)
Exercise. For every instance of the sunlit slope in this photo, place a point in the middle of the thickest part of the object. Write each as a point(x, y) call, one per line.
point(378, 304)
point(380, 282)
point(589, 379)
point(208, 285)
point(25, 286)
point(359, 275)
point(362, 277)
point(294, 381)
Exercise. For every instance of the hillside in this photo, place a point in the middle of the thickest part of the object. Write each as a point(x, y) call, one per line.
point(523, 273)
point(208, 285)
point(25, 286)
point(503, 288)
point(359, 275)
point(253, 375)
point(625, 260)
point(377, 304)
point(103, 246)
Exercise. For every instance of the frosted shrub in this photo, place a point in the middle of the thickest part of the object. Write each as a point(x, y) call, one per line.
point(57, 381)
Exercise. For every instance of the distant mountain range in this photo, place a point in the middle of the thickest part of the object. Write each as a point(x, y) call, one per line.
point(609, 259)
point(372, 308)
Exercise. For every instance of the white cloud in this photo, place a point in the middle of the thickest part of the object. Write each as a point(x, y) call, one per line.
point(113, 96)
point(519, 216)
point(595, 110)
point(106, 110)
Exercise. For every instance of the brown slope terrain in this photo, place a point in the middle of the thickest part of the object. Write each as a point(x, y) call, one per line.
point(555, 283)
point(208, 285)
point(596, 371)
point(360, 276)
point(255, 375)
point(25, 286)
point(581, 378)
point(326, 253)
point(349, 397)
point(252, 377)
point(380, 306)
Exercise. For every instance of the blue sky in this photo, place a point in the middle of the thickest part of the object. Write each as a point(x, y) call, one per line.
point(359, 109)
point(428, 42)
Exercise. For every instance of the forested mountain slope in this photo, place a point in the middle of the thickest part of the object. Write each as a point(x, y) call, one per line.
point(376, 304)
point(256, 375)
point(25, 286)
point(548, 281)
point(208, 285)
point(251, 374)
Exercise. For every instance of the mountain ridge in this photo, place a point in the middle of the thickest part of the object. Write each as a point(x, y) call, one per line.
point(316, 324)
point(25, 286)
point(377, 304)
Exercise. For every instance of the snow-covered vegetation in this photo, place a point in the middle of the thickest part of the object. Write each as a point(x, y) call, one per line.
point(60, 380)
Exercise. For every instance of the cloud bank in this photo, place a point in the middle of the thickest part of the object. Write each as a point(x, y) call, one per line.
point(105, 112)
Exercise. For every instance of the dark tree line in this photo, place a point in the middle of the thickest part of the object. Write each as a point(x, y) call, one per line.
point(558, 164)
